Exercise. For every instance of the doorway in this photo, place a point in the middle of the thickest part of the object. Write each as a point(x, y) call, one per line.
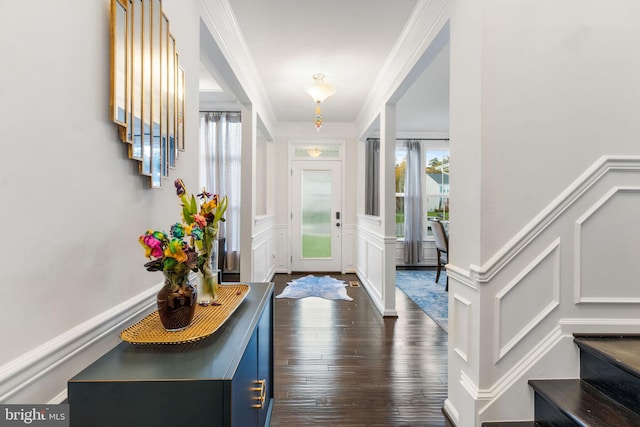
point(316, 215)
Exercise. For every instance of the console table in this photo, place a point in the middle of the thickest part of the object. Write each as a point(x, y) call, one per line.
point(225, 379)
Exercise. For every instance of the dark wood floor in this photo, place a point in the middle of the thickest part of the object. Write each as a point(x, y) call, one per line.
point(339, 363)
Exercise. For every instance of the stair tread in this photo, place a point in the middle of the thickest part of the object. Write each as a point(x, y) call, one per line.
point(584, 404)
point(620, 350)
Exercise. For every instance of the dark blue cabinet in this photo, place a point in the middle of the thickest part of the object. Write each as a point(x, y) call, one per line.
point(223, 380)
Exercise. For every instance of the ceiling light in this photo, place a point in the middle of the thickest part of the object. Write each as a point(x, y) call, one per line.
point(319, 90)
point(314, 152)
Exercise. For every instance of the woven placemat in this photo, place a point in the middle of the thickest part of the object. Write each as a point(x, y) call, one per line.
point(205, 322)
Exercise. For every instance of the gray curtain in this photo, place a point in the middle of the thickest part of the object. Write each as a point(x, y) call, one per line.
point(220, 144)
point(372, 180)
point(413, 218)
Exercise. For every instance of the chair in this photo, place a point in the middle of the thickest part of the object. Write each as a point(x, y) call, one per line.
point(442, 247)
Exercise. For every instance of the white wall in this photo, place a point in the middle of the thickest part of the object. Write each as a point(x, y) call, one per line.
point(73, 203)
point(544, 148)
point(559, 89)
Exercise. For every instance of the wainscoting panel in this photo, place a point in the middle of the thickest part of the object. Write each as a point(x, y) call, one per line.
point(572, 269)
point(429, 255)
point(375, 263)
point(263, 253)
point(539, 285)
point(349, 244)
point(462, 328)
point(282, 248)
point(607, 237)
point(370, 266)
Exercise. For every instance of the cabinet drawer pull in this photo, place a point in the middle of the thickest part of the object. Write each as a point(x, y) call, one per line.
point(262, 389)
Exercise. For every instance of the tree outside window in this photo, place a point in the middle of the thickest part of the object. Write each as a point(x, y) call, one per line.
point(436, 188)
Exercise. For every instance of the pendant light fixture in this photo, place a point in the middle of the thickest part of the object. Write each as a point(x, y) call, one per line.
point(319, 90)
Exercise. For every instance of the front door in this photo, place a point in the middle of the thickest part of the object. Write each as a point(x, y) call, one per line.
point(316, 215)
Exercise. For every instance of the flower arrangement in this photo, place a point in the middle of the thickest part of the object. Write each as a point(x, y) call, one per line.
point(170, 254)
point(188, 246)
point(204, 219)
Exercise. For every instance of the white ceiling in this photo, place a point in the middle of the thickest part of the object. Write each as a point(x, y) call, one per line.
point(348, 41)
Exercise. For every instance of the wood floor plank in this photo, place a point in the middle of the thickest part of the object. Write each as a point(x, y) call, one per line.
point(339, 363)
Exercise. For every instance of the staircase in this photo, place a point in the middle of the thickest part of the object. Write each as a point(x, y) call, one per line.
point(607, 393)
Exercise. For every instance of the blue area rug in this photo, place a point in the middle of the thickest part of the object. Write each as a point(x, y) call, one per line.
point(431, 297)
point(325, 287)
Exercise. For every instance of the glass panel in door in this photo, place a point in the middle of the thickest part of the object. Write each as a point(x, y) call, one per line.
point(316, 214)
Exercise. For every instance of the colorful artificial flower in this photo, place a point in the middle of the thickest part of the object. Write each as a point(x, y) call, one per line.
point(200, 220)
point(204, 195)
point(178, 230)
point(175, 250)
point(152, 241)
point(188, 246)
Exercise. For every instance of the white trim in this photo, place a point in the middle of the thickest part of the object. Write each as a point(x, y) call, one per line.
point(423, 27)
point(462, 353)
point(375, 297)
point(244, 78)
point(261, 220)
point(26, 370)
point(461, 276)
point(547, 216)
point(451, 412)
point(578, 298)
point(469, 386)
point(517, 371)
point(58, 398)
point(371, 220)
point(601, 325)
point(555, 300)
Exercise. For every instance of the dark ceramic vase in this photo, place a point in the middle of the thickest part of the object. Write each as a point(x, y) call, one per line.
point(177, 305)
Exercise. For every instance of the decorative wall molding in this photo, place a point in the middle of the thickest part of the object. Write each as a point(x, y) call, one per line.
point(578, 249)
point(517, 371)
point(240, 72)
point(349, 245)
point(263, 220)
point(601, 325)
point(63, 356)
point(543, 342)
point(407, 59)
point(461, 276)
point(548, 215)
point(429, 256)
point(514, 374)
point(460, 339)
point(452, 412)
point(263, 254)
point(282, 261)
point(553, 299)
point(375, 221)
point(370, 265)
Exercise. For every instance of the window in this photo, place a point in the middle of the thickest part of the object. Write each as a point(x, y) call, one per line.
point(436, 186)
point(372, 177)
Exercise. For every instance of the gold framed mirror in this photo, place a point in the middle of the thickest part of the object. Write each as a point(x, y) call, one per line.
point(118, 99)
point(147, 86)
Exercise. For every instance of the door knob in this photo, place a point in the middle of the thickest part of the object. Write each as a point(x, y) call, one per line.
point(337, 224)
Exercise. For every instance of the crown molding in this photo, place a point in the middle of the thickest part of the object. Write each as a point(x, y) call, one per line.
point(399, 71)
point(220, 21)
